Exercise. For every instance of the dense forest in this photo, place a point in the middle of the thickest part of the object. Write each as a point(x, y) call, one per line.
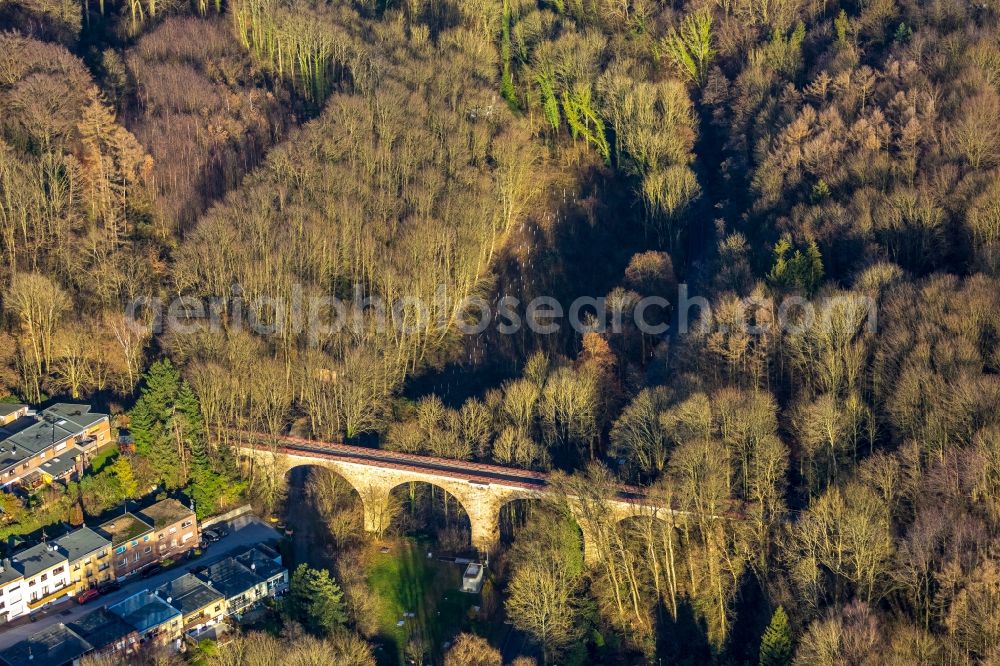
point(823, 176)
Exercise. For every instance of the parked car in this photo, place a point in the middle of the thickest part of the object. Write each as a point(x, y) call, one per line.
point(109, 587)
point(211, 536)
point(87, 595)
point(221, 530)
point(198, 570)
point(151, 570)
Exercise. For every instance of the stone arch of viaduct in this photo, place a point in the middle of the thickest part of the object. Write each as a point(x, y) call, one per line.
point(481, 499)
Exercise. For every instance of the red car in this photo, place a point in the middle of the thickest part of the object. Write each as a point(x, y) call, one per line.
point(87, 595)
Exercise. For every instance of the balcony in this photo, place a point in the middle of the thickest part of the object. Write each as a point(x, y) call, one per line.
point(50, 597)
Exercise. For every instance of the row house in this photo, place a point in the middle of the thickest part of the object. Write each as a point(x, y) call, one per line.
point(12, 602)
point(154, 620)
point(167, 529)
point(265, 562)
point(107, 634)
point(201, 606)
point(131, 544)
point(46, 574)
point(52, 646)
point(10, 413)
point(55, 444)
point(99, 633)
point(188, 605)
point(39, 575)
point(247, 578)
point(175, 528)
point(89, 557)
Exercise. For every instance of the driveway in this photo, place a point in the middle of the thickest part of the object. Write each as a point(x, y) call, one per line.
point(245, 532)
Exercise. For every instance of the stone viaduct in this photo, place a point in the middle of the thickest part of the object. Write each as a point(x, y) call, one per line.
point(481, 489)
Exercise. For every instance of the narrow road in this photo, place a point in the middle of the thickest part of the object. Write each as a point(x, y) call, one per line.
point(310, 536)
point(249, 534)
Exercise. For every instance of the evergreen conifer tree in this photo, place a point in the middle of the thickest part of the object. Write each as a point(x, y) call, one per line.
point(776, 643)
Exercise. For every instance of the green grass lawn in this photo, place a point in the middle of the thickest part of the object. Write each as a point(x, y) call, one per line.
point(103, 457)
point(406, 580)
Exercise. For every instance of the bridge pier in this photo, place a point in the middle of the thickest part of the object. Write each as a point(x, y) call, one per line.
point(377, 507)
point(484, 518)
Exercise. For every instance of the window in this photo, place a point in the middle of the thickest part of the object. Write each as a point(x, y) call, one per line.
point(44, 577)
point(123, 561)
point(31, 583)
point(149, 549)
point(135, 542)
point(60, 447)
point(145, 538)
point(58, 570)
point(120, 549)
point(14, 589)
point(186, 523)
point(173, 530)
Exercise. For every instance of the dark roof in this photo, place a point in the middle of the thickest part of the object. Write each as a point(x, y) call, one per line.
point(8, 408)
point(188, 594)
point(79, 416)
point(144, 610)
point(124, 528)
point(166, 512)
point(265, 563)
point(80, 543)
point(52, 646)
point(61, 463)
point(9, 573)
point(30, 434)
point(230, 577)
point(34, 560)
point(101, 628)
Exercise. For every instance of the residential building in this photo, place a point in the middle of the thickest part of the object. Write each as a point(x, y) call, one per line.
point(89, 557)
point(175, 528)
point(240, 585)
point(46, 574)
point(131, 544)
point(12, 603)
point(56, 645)
point(10, 413)
point(201, 606)
point(107, 633)
point(57, 443)
point(154, 619)
point(266, 563)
